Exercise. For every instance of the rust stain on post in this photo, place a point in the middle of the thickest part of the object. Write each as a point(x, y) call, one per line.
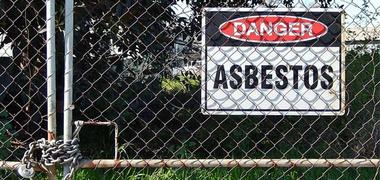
point(51, 169)
point(117, 163)
point(51, 136)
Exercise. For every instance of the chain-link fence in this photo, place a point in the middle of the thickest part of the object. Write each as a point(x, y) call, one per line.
point(23, 99)
point(138, 64)
point(154, 86)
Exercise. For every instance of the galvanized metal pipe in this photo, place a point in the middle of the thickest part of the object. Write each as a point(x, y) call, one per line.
point(51, 77)
point(214, 163)
point(12, 165)
point(228, 163)
point(68, 86)
point(50, 63)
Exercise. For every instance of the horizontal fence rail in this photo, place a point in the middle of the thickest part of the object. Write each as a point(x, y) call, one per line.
point(229, 163)
point(214, 163)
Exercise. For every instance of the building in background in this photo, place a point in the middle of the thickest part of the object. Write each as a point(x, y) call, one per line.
point(359, 36)
point(6, 55)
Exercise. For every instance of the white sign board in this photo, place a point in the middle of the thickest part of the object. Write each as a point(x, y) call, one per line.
point(272, 61)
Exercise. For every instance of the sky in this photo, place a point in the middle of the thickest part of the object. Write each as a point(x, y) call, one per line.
point(353, 9)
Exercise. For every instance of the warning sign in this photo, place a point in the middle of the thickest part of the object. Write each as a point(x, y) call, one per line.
point(272, 61)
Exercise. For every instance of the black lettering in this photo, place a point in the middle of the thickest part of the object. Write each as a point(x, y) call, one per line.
point(307, 77)
point(251, 80)
point(329, 79)
point(295, 70)
point(235, 84)
point(220, 77)
point(265, 77)
point(282, 77)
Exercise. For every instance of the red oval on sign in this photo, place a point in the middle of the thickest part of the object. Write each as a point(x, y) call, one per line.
point(273, 29)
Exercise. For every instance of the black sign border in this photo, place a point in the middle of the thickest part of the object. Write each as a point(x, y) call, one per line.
point(271, 110)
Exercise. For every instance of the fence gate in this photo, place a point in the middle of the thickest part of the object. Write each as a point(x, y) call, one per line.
point(232, 89)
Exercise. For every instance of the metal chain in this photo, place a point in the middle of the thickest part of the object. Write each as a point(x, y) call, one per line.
point(77, 156)
point(54, 152)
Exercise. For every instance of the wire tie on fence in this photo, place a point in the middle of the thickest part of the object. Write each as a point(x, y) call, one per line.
point(128, 164)
point(330, 164)
point(292, 164)
point(274, 164)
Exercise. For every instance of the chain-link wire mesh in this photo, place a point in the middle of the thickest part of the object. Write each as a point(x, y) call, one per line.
point(137, 67)
point(22, 77)
point(138, 64)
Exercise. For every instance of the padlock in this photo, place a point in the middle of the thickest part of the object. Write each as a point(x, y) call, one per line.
point(24, 171)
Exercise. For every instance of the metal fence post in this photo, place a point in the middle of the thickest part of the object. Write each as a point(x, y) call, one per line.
point(68, 90)
point(51, 91)
point(51, 78)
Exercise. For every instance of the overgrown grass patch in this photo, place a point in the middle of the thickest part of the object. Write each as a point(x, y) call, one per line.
point(230, 174)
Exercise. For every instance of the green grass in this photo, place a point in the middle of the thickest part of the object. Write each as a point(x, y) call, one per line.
point(230, 174)
point(215, 173)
